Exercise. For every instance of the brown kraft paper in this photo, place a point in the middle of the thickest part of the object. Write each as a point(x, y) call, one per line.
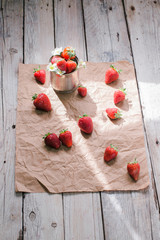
point(81, 168)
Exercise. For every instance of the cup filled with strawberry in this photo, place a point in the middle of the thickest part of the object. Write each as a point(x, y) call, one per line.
point(64, 69)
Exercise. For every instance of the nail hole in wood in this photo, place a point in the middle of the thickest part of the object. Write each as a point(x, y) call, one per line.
point(118, 36)
point(13, 126)
point(110, 8)
point(157, 142)
point(54, 225)
point(69, 6)
point(132, 8)
point(155, 2)
point(4, 161)
point(32, 216)
point(47, 4)
point(136, 38)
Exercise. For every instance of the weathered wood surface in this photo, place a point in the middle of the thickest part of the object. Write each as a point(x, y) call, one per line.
point(79, 209)
point(11, 53)
point(127, 208)
point(101, 30)
point(43, 213)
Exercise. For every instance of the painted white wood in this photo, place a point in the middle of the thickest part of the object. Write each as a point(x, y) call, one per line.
point(43, 212)
point(145, 38)
point(82, 211)
point(124, 214)
point(11, 53)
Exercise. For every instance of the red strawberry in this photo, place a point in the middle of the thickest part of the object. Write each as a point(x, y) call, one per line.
point(42, 102)
point(82, 91)
point(71, 66)
point(68, 53)
point(66, 137)
point(110, 153)
point(40, 75)
point(119, 95)
point(52, 140)
point(133, 169)
point(113, 113)
point(112, 74)
point(55, 59)
point(62, 65)
point(85, 124)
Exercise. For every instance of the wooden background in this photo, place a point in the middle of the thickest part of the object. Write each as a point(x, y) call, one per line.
point(101, 30)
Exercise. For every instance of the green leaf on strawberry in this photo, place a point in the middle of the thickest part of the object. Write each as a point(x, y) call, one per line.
point(119, 71)
point(46, 135)
point(115, 148)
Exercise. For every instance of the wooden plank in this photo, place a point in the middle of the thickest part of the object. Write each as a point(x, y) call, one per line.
point(11, 46)
point(132, 210)
point(145, 40)
point(43, 212)
point(82, 212)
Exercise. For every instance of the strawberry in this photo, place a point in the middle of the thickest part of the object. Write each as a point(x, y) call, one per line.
point(66, 137)
point(71, 66)
point(41, 102)
point(119, 95)
point(52, 140)
point(68, 53)
point(85, 124)
point(112, 74)
point(110, 153)
point(113, 113)
point(82, 91)
point(40, 75)
point(55, 59)
point(62, 65)
point(133, 169)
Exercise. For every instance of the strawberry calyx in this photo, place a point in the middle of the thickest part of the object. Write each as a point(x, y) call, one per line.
point(34, 97)
point(63, 130)
point(118, 114)
point(81, 86)
point(115, 148)
point(36, 69)
point(119, 71)
point(46, 135)
point(134, 162)
point(123, 90)
point(84, 115)
point(71, 52)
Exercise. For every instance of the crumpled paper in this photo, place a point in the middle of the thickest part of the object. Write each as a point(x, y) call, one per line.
point(80, 169)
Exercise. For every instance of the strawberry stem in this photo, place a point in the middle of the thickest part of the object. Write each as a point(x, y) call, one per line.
point(63, 130)
point(36, 69)
point(119, 71)
point(118, 114)
point(84, 115)
point(34, 97)
point(115, 148)
point(46, 135)
point(123, 90)
point(135, 161)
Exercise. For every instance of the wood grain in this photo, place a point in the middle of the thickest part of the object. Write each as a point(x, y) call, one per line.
point(82, 212)
point(127, 208)
point(145, 47)
point(11, 46)
point(43, 213)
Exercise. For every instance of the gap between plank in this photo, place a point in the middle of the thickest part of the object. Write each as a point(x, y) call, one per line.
point(54, 30)
point(132, 55)
point(23, 194)
point(84, 29)
point(104, 235)
point(86, 48)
